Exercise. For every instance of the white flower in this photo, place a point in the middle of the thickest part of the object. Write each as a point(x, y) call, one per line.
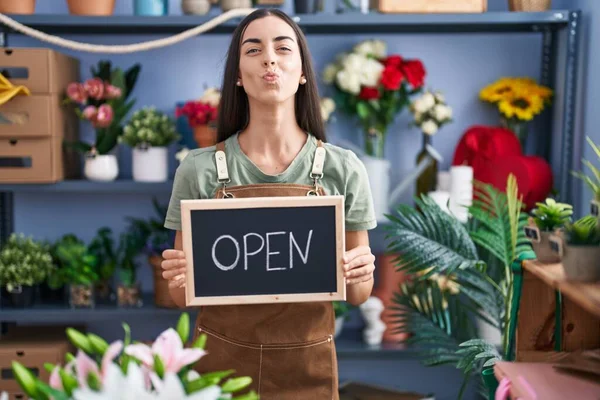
point(348, 81)
point(420, 107)
point(354, 62)
point(440, 97)
point(327, 107)
point(117, 386)
point(442, 112)
point(211, 96)
point(428, 100)
point(329, 73)
point(171, 388)
point(376, 48)
point(370, 73)
point(429, 127)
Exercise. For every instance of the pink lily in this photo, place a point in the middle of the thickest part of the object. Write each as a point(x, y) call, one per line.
point(169, 348)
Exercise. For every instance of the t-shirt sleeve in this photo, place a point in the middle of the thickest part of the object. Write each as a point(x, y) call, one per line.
point(185, 187)
point(359, 208)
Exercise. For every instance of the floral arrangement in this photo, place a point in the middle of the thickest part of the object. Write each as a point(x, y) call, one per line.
point(375, 87)
point(102, 101)
point(203, 111)
point(149, 127)
point(125, 370)
point(24, 262)
point(327, 108)
point(431, 112)
point(518, 100)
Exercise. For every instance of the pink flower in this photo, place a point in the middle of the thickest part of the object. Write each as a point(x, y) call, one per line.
point(111, 92)
point(76, 92)
point(90, 113)
point(104, 117)
point(84, 366)
point(94, 88)
point(169, 348)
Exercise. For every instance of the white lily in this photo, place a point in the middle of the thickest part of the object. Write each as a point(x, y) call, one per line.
point(117, 386)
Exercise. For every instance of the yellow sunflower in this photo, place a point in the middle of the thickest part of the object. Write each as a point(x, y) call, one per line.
point(499, 90)
point(523, 105)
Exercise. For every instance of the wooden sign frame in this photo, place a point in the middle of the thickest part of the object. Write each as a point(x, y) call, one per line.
point(187, 206)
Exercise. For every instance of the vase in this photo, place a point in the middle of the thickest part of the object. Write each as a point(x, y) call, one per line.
point(374, 141)
point(49, 295)
point(519, 129)
point(81, 296)
point(151, 8)
point(150, 164)
point(543, 251)
point(195, 7)
point(227, 5)
point(378, 171)
point(129, 296)
point(103, 167)
point(427, 180)
point(103, 292)
point(162, 297)
point(205, 135)
point(21, 296)
point(17, 6)
point(529, 5)
point(96, 7)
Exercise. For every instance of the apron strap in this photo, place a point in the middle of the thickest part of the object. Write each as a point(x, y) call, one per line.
point(222, 171)
point(317, 168)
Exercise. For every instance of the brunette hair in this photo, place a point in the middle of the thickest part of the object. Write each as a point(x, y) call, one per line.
point(233, 107)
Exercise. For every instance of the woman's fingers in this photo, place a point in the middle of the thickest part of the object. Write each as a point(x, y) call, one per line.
point(172, 273)
point(177, 283)
point(172, 253)
point(172, 264)
point(359, 261)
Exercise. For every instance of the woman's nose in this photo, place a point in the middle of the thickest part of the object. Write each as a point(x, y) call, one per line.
point(268, 63)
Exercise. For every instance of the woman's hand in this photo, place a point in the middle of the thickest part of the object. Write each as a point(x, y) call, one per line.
point(174, 268)
point(359, 265)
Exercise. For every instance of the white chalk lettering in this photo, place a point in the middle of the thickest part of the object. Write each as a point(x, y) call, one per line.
point(269, 253)
point(246, 254)
point(214, 255)
point(304, 256)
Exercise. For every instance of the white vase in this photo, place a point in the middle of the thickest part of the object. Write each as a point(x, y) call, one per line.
point(378, 171)
point(489, 333)
point(339, 324)
point(227, 5)
point(195, 7)
point(150, 164)
point(103, 167)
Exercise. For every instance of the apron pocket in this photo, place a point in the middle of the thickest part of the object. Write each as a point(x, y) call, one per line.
point(300, 371)
point(223, 354)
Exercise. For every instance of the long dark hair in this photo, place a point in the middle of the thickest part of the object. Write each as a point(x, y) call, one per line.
point(234, 113)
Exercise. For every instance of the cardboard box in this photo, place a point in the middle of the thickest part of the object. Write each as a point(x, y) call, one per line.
point(42, 71)
point(37, 160)
point(37, 116)
point(432, 6)
point(32, 348)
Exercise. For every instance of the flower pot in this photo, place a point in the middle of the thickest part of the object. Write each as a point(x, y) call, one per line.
point(96, 7)
point(162, 297)
point(103, 292)
point(129, 296)
point(581, 263)
point(529, 5)
point(150, 164)
point(227, 5)
point(543, 251)
point(17, 6)
point(21, 296)
point(205, 135)
point(339, 325)
point(102, 167)
point(489, 333)
point(378, 171)
point(151, 8)
point(49, 295)
point(82, 296)
point(195, 7)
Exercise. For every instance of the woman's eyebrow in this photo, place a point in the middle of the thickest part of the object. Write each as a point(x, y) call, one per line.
point(276, 39)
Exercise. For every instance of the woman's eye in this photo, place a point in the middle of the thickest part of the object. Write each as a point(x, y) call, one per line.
point(285, 48)
point(251, 51)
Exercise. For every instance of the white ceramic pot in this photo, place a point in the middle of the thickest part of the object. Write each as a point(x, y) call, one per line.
point(195, 7)
point(339, 325)
point(378, 171)
point(102, 167)
point(489, 333)
point(150, 165)
point(227, 5)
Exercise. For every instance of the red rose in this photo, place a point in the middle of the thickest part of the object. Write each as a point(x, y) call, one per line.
point(415, 73)
point(369, 93)
point(391, 78)
point(394, 61)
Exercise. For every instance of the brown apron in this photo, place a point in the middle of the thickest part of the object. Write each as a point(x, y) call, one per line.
point(287, 349)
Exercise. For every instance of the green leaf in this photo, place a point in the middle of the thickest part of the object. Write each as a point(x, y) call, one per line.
point(51, 392)
point(218, 374)
point(252, 395)
point(69, 382)
point(159, 366)
point(183, 327)
point(236, 384)
point(98, 344)
point(200, 342)
point(201, 383)
point(27, 381)
point(363, 110)
point(80, 340)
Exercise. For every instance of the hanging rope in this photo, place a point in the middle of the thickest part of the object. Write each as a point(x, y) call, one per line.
point(127, 48)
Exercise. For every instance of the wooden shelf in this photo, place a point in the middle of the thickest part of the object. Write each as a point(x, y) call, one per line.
point(87, 186)
point(536, 381)
point(587, 295)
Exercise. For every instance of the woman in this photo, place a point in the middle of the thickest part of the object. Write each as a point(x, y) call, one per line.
point(269, 128)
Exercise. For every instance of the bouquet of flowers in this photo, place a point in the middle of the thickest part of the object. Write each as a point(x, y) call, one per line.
point(375, 87)
point(203, 111)
point(149, 127)
point(518, 100)
point(125, 370)
point(430, 112)
point(102, 101)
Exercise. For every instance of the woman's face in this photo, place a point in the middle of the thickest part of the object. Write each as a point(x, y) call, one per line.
point(270, 63)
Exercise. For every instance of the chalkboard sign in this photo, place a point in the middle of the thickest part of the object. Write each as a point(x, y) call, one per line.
point(264, 250)
point(532, 233)
point(556, 245)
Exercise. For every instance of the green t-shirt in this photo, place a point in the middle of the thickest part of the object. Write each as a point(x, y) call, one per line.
point(343, 174)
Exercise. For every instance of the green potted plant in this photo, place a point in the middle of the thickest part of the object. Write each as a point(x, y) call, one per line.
point(24, 263)
point(148, 133)
point(579, 249)
point(342, 310)
point(77, 268)
point(128, 289)
point(155, 239)
point(103, 101)
point(593, 182)
point(546, 218)
point(102, 247)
